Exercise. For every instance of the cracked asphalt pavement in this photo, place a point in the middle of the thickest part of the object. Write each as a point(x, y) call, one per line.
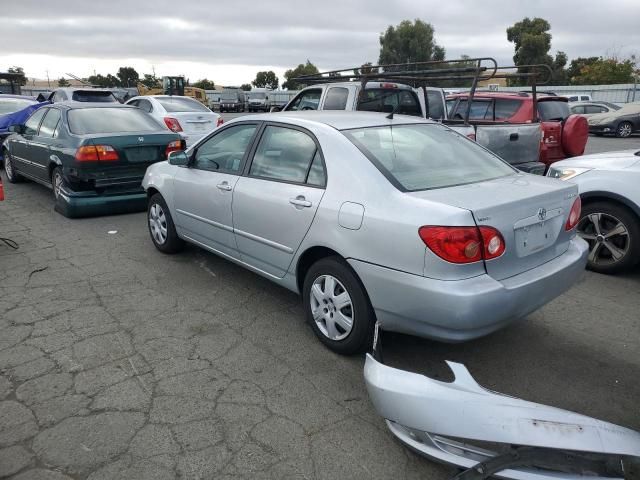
point(119, 362)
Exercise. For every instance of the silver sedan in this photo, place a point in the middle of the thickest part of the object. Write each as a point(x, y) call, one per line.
point(373, 217)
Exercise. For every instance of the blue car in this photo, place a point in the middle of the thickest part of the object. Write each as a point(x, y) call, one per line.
point(14, 110)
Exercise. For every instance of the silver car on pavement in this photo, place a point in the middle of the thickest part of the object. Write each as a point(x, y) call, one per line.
point(373, 217)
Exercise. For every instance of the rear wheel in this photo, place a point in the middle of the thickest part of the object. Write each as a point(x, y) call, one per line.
point(12, 175)
point(337, 307)
point(613, 234)
point(161, 227)
point(624, 130)
point(57, 182)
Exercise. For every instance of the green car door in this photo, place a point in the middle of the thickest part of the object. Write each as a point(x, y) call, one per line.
point(43, 143)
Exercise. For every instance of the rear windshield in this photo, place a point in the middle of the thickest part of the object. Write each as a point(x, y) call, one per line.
point(94, 97)
point(85, 121)
point(403, 102)
point(10, 105)
point(426, 156)
point(181, 104)
point(553, 110)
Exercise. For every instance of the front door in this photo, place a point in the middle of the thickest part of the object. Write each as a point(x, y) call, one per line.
point(274, 205)
point(204, 189)
point(21, 148)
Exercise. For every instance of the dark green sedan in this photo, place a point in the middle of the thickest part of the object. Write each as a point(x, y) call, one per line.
point(93, 156)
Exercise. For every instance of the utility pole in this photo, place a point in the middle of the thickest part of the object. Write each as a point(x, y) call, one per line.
point(48, 81)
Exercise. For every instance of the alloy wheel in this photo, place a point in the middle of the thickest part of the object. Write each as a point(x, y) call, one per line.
point(331, 307)
point(624, 130)
point(158, 224)
point(607, 236)
point(8, 167)
point(57, 184)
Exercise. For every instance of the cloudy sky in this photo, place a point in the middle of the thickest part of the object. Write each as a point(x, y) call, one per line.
point(230, 41)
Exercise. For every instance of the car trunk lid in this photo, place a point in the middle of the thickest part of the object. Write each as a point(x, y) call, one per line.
point(195, 122)
point(529, 211)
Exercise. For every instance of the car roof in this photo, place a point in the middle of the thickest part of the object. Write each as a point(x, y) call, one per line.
point(71, 105)
point(82, 89)
point(370, 84)
point(22, 97)
point(338, 119)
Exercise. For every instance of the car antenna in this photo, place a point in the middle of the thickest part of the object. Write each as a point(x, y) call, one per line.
point(395, 109)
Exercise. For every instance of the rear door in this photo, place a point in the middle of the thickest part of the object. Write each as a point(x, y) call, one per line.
point(203, 191)
point(43, 142)
point(274, 205)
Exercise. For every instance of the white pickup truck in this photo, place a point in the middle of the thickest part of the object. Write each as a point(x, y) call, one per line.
point(518, 144)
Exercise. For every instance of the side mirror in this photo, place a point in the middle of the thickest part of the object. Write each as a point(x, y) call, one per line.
point(16, 128)
point(179, 158)
point(275, 109)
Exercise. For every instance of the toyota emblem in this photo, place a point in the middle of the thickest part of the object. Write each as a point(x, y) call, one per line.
point(542, 213)
point(141, 139)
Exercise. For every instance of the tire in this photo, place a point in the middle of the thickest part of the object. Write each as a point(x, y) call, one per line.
point(159, 220)
point(610, 253)
point(332, 333)
point(624, 129)
point(575, 134)
point(9, 169)
point(57, 181)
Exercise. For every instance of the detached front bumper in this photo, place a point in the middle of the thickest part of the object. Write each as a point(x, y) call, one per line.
point(463, 424)
point(461, 310)
point(74, 204)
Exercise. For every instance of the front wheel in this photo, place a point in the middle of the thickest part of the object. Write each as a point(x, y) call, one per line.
point(161, 227)
point(613, 234)
point(12, 175)
point(337, 306)
point(624, 130)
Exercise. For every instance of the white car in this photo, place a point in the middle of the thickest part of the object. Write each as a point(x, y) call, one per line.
point(183, 115)
point(610, 220)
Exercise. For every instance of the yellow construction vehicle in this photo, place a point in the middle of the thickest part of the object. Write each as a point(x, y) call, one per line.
point(174, 86)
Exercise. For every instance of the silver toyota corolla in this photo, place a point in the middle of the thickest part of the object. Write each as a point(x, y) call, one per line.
point(369, 217)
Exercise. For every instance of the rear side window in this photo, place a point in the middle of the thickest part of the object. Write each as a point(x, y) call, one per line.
point(50, 123)
point(85, 121)
point(506, 108)
point(402, 102)
point(480, 110)
point(426, 156)
point(553, 110)
point(181, 104)
point(284, 154)
point(93, 97)
point(307, 100)
point(336, 99)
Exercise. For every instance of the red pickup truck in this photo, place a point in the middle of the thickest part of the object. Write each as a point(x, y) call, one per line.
point(563, 135)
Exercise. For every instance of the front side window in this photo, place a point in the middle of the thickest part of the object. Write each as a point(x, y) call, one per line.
point(307, 100)
point(50, 123)
point(225, 151)
point(426, 156)
point(31, 125)
point(436, 104)
point(336, 98)
point(578, 109)
point(594, 109)
point(284, 154)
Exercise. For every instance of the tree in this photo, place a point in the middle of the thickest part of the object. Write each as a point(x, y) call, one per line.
point(20, 71)
point(266, 80)
point(532, 42)
point(100, 80)
point(151, 81)
point(245, 87)
point(63, 82)
point(606, 71)
point(408, 43)
point(205, 84)
point(364, 69)
point(127, 77)
point(302, 69)
point(576, 66)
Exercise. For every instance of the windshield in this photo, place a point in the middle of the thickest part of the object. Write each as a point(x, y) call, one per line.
point(85, 121)
point(229, 96)
point(402, 102)
point(257, 96)
point(94, 97)
point(10, 105)
point(426, 156)
point(181, 104)
point(553, 110)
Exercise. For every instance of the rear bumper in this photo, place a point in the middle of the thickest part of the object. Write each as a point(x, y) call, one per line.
point(85, 204)
point(461, 310)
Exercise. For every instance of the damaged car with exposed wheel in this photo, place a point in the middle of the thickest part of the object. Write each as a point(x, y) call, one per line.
point(371, 217)
point(93, 156)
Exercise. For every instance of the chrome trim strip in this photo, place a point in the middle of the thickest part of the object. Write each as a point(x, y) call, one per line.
point(205, 220)
point(270, 243)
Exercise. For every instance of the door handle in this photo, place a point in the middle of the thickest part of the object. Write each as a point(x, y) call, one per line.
point(300, 201)
point(224, 186)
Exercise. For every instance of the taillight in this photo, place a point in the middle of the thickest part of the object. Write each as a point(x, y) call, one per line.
point(174, 146)
point(220, 121)
point(96, 153)
point(388, 85)
point(574, 215)
point(463, 244)
point(172, 124)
